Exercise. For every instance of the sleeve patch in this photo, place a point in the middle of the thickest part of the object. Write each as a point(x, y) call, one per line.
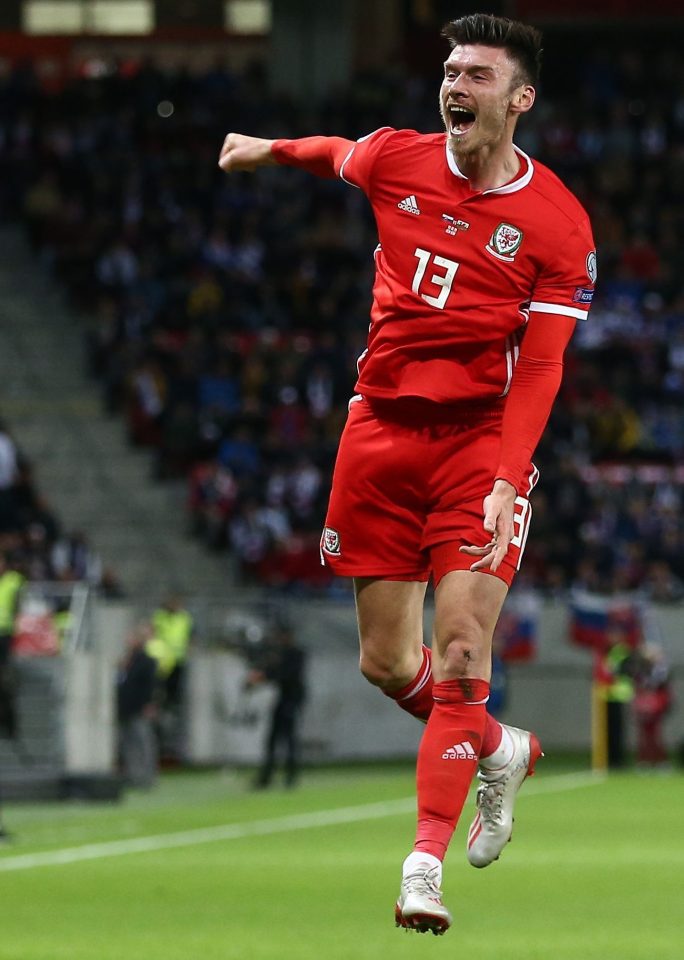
point(591, 266)
point(583, 295)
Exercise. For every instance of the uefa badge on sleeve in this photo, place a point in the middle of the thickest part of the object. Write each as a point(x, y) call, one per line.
point(592, 272)
point(505, 242)
point(330, 542)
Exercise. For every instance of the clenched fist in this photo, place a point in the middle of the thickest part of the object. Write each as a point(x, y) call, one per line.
point(245, 153)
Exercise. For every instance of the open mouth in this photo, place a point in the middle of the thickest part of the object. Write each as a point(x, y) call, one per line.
point(460, 120)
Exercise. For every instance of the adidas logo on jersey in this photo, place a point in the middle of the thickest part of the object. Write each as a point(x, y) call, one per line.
point(460, 751)
point(409, 205)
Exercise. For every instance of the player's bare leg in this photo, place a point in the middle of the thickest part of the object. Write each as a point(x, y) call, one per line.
point(390, 616)
point(507, 757)
point(390, 620)
point(467, 606)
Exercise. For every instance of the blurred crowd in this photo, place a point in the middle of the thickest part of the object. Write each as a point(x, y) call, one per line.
point(32, 540)
point(224, 315)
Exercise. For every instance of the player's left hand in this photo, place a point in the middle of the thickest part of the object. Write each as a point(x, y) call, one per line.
point(498, 509)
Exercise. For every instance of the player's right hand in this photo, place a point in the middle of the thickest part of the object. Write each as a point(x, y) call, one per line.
point(240, 152)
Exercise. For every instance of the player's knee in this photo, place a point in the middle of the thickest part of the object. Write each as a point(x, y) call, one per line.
point(377, 671)
point(381, 670)
point(464, 650)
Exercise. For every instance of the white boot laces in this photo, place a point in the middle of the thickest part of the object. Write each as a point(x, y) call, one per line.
point(490, 801)
point(424, 882)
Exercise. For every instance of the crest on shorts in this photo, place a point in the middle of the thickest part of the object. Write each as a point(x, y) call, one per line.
point(505, 242)
point(330, 542)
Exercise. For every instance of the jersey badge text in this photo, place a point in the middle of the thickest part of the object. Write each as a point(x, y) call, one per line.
point(505, 242)
point(453, 225)
point(330, 542)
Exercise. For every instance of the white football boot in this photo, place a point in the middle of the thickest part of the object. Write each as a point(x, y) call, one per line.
point(492, 827)
point(420, 906)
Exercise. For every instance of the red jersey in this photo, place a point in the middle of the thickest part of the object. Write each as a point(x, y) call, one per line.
point(457, 272)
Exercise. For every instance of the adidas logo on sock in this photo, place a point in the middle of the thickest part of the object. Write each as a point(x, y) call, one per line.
point(409, 205)
point(460, 751)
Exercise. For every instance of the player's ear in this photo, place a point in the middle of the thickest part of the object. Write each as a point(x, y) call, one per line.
point(523, 98)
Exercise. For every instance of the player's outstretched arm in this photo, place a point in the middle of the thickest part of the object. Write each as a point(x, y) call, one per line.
point(242, 153)
point(322, 156)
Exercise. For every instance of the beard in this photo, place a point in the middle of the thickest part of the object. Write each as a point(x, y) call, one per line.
point(488, 129)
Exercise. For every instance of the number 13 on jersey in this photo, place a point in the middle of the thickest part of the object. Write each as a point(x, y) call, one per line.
point(444, 279)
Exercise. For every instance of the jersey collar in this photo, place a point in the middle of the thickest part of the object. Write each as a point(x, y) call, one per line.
point(512, 187)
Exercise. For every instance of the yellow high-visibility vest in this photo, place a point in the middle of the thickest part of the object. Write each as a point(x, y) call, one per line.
point(621, 687)
point(158, 650)
point(172, 633)
point(64, 621)
point(11, 583)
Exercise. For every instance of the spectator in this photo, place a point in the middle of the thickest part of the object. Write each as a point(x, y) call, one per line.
point(212, 498)
point(283, 664)
point(256, 531)
point(652, 701)
point(172, 633)
point(9, 474)
point(138, 751)
point(615, 674)
point(11, 583)
point(73, 559)
point(225, 317)
point(661, 585)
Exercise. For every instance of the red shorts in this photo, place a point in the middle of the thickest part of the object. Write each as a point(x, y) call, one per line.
point(408, 488)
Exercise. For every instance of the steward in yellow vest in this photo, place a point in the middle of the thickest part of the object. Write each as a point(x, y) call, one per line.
point(616, 670)
point(173, 628)
point(11, 583)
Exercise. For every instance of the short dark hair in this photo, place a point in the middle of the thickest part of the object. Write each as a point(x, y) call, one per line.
point(521, 41)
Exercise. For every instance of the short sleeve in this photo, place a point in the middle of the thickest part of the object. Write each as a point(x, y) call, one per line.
point(357, 166)
point(565, 285)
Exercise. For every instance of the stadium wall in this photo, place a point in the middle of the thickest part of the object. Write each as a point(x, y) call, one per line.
point(67, 703)
point(345, 718)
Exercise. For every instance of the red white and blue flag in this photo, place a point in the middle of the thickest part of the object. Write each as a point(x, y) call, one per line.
point(594, 616)
point(515, 639)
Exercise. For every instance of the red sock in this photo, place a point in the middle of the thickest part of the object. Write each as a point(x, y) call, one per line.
point(447, 759)
point(493, 735)
point(416, 697)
